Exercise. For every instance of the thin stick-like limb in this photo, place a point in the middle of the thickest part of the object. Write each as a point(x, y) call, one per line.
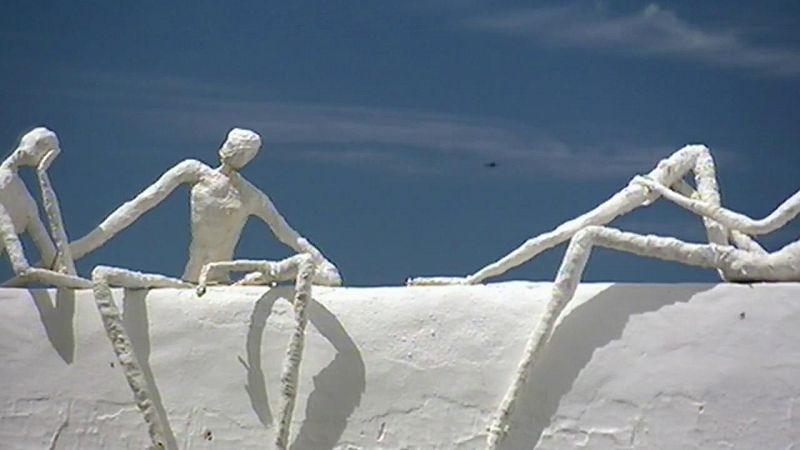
point(63, 260)
point(782, 215)
point(294, 353)
point(692, 158)
point(302, 267)
point(739, 239)
point(264, 272)
point(571, 270)
point(121, 343)
point(25, 274)
point(185, 172)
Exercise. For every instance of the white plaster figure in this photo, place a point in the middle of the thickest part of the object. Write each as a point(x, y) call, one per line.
point(738, 264)
point(301, 267)
point(669, 172)
point(221, 202)
point(19, 213)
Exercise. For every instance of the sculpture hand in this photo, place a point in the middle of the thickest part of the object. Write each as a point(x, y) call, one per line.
point(48, 159)
point(258, 278)
point(646, 181)
point(327, 274)
point(651, 187)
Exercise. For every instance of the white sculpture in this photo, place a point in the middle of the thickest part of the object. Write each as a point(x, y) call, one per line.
point(221, 202)
point(301, 268)
point(749, 262)
point(19, 213)
point(669, 172)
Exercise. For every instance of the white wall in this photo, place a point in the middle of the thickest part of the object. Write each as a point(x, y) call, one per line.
point(637, 366)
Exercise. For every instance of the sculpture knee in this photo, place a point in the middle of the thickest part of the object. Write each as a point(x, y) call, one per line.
point(101, 274)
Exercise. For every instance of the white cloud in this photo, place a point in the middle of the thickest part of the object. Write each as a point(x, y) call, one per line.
point(651, 31)
point(389, 139)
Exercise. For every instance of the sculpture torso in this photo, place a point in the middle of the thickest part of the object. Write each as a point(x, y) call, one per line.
point(220, 205)
point(16, 199)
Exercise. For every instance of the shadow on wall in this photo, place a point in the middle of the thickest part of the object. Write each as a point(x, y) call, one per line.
point(57, 318)
point(337, 388)
point(135, 321)
point(585, 329)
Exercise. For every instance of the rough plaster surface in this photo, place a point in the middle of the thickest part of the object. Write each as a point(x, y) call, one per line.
point(628, 366)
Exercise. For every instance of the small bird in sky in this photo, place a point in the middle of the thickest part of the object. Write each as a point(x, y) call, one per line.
point(490, 164)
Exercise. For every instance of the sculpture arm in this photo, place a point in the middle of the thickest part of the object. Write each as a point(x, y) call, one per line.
point(739, 239)
point(62, 260)
point(267, 212)
point(188, 171)
point(787, 211)
point(40, 237)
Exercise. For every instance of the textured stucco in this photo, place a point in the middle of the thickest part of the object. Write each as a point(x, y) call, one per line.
point(628, 366)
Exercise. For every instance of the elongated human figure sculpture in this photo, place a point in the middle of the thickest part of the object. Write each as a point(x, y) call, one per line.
point(669, 171)
point(221, 202)
point(301, 268)
point(737, 263)
point(18, 213)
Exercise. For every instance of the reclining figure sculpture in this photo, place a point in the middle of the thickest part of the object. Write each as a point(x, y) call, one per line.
point(745, 262)
point(669, 172)
point(19, 213)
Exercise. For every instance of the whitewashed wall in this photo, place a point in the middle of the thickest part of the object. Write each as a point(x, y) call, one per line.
point(629, 366)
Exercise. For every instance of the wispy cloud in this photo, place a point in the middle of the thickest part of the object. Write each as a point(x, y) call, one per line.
point(651, 31)
point(394, 139)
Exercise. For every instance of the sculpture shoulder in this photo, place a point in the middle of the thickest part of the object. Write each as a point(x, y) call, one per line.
point(191, 167)
point(189, 171)
point(8, 177)
point(255, 199)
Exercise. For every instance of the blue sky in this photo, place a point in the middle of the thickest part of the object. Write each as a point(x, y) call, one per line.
point(379, 118)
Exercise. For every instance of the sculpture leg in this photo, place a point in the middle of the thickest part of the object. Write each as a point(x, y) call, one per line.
point(47, 277)
point(569, 275)
point(294, 353)
point(303, 268)
point(25, 274)
point(261, 272)
point(112, 322)
point(132, 279)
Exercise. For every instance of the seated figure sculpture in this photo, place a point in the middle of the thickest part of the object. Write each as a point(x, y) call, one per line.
point(221, 202)
point(19, 213)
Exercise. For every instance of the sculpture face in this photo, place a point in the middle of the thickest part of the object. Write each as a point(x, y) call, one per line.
point(239, 148)
point(36, 144)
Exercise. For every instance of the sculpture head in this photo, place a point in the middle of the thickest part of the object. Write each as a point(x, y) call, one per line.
point(239, 148)
point(35, 145)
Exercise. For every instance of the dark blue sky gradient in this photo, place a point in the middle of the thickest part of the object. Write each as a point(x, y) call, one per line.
point(378, 119)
